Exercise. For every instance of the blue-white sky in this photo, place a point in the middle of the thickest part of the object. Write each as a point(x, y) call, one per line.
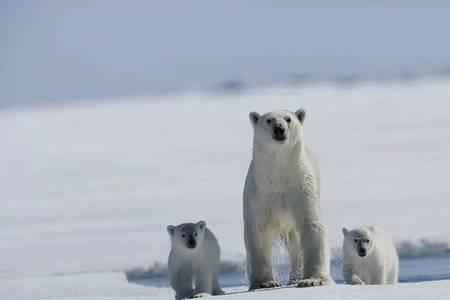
point(66, 50)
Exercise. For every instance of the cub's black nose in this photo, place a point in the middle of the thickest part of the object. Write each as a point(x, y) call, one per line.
point(192, 243)
point(279, 130)
point(362, 252)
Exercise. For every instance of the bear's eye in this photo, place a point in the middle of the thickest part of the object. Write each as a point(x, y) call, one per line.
point(195, 234)
point(183, 236)
point(288, 120)
point(355, 240)
point(269, 121)
point(367, 241)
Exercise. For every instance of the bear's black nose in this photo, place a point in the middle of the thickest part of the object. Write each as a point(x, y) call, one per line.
point(279, 133)
point(278, 130)
point(362, 252)
point(192, 243)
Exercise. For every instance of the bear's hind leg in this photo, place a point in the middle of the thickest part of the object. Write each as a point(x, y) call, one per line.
point(393, 275)
point(293, 246)
point(216, 287)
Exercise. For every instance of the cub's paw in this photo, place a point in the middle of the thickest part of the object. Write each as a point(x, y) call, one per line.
point(270, 284)
point(266, 285)
point(313, 282)
point(294, 282)
point(357, 281)
point(200, 295)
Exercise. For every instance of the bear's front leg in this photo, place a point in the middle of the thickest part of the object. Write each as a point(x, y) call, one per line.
point(181, 282)
point(203, 281)
point(350, 277)
point(258, 243)
point(316, 255)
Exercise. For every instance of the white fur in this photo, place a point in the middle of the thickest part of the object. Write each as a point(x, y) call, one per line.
point(281, 199)
point(379, 266)
point(199, 266)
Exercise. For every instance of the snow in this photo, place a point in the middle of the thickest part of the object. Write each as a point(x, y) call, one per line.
point(432, 290)
point(80, 286)
point(112, 286)
point(88, 189)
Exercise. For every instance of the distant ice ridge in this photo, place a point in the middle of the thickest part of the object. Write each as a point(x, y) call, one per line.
point(234, 85)
point(238, 85)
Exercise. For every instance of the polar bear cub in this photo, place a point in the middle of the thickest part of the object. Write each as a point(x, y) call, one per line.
point(370, 257)
point(194, 258)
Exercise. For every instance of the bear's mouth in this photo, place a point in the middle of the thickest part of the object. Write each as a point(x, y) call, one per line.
point(279, 137)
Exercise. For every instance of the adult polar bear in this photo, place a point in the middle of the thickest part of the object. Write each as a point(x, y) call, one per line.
point(281, 199)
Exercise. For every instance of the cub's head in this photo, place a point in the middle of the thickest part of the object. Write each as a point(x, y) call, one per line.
point(187, 235)
point(358, 240)
point(279, 127)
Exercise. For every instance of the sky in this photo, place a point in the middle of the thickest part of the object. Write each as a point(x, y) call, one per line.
point(56, 51)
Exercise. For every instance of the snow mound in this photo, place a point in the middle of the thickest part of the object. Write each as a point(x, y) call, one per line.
point(425, 247)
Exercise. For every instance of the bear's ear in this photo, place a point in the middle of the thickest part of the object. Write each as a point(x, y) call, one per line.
point(171, 229)
point(201, 225)
point(344, 231)
point(300, 115)
point(254, 117)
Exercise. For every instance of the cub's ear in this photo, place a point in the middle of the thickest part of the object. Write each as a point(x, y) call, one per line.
point(201, 225)
point(344, 231)
point(300, 115)
point(171, 229)
point(254, 117)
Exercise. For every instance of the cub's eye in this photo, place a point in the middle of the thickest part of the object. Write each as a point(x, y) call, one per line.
point(195, 234)
point(269, 121)
point(183, 236)
point(367, 241)
point(288, 120)
point(355, 240)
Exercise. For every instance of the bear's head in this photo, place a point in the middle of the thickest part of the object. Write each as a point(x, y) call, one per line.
point(187, 235)
point(358, 241)
point(278, 128)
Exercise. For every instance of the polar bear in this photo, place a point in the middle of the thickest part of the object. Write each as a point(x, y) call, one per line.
point(281, 199)
point(370, 257)
point(194, 257)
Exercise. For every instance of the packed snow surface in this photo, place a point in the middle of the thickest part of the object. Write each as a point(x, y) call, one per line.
point(113, 286)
